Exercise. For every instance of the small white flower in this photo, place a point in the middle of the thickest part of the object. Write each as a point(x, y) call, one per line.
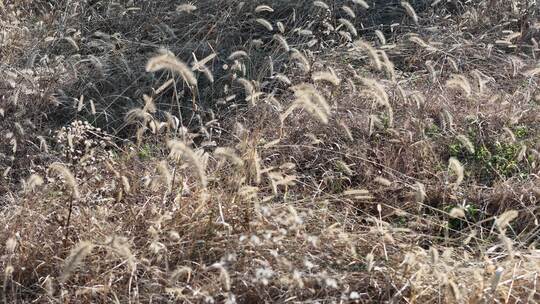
point(309, 264)
point(263, 275)
point(330, 282)
point(255, 240)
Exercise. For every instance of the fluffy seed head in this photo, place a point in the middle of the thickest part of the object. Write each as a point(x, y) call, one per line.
point(330, 77)
point(371, 52)
point(362, 3)
point(76, 256)
point(282, 42)
point(380, 36)
point(504, 219)
point(422, 43)
point(308, 98)
point(457, 213)
point(350, 27)
point(167, 61)
point(280, 26)
point(369, 261)
point(302, 61)
point(230, 155)
point(33, 182)
point(237, 54)
point(69, 179)
point(265, 23)
point(465, 142)
point(165, 174)
point(410, 11)
point(456, 167)
point(348, 11)
point(321, 4)
point(179, 150)
point(383, 181)
point(186, 8)
point(11, 244)
point(283, 78)
point(460, 82)
point(263, 8)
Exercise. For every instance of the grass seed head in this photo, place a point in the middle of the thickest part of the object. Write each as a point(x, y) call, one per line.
point(167, 61)
point(455, 166)
point(410, 11)
point(68, 177)
point(361, 3)
point(75, 258)
point(264, 8)
point(265, 23)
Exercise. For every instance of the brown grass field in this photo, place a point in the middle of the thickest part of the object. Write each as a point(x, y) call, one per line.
point(278, 151)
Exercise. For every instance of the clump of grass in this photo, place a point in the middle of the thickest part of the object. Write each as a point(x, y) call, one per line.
point(230, 192)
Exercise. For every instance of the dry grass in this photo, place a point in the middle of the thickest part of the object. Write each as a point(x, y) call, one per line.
point(279, 151)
